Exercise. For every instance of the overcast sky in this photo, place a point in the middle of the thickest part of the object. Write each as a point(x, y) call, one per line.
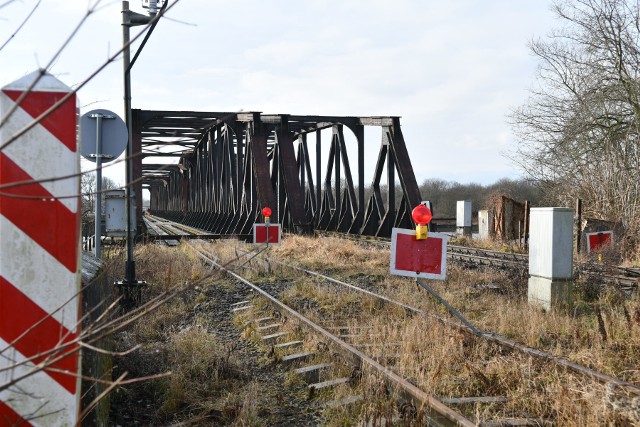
point(451, 69)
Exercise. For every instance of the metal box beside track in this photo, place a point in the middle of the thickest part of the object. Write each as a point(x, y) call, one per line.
point(115, 217)
point(551, 243)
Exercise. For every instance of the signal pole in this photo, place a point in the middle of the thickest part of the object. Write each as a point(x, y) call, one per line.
point(130, 285)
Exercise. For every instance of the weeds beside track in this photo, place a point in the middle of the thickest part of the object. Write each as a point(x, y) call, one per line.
point(555, 397)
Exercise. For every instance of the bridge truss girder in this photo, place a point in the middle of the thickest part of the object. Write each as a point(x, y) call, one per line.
point(230, 165)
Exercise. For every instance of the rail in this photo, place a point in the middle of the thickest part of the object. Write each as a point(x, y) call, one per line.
point(439, 414)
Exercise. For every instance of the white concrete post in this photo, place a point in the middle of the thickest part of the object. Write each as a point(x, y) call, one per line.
point(463, 217)
point(39, 255)
point(485, 224)
point(551, 257)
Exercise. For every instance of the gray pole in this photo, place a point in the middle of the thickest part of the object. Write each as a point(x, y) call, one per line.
point(129, 19)
point(98, 155)
point(98, 214)
point(579, 225)
point(130, 269)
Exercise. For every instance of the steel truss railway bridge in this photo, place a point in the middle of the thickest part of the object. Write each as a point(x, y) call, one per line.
point(230, 165)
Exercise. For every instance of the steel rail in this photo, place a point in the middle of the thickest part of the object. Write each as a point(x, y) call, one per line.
point(507, 256)
point(490, 336)
point(486, 260)
point(194, 233)
point(439, 413)
point(493, 258)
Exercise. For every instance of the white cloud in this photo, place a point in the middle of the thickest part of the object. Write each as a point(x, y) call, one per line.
point(452, 70)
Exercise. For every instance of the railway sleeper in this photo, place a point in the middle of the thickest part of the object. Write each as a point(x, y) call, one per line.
point(515, 422)
point(242, 308)
point(473, 400)
point(289, 344)
point(382, 344)
point(354, 336)
point(315, 388)
point(347, 328)
point(269, 327)
point(311, 373)
point(296, 357)
point(273, 337)
point(237, 304)
point(384, 421)
point(256, 322)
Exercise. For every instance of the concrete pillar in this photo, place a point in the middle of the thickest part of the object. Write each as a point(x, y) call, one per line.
point(463, 217)
point(39, 254)
point(485, 224)
point(551, 257)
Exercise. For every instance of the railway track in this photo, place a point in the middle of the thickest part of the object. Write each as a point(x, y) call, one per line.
point(627, 279)
point(437, 413)
point(356, 346)
point(379, 347)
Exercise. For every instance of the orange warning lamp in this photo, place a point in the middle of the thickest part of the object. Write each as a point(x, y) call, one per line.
point(266, 211)
point(421, 216)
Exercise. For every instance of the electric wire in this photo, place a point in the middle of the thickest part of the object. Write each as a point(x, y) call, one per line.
point(68, 95)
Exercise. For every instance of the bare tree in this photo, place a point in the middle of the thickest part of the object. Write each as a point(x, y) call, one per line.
point(578, 132)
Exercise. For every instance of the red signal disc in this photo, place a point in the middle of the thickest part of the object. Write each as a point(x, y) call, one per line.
point(421, 215)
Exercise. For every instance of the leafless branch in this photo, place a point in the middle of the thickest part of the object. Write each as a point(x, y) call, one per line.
point(20, 26)
point(68, 95)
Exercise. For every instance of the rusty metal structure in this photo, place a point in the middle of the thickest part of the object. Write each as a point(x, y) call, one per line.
point(510, 221)
point(229, 165)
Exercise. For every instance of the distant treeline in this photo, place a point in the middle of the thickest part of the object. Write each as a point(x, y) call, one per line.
point(444, 194)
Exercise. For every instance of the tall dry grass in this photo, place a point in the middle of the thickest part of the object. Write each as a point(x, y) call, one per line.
point(209, 384)
point(601, 331)
point(443, 361)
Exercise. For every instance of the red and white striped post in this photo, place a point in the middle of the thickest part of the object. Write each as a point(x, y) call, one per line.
point(39, 257)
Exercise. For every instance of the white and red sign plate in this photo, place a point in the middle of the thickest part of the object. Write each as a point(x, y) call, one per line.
point(418, 258)
point(261, 231)
point(39, 257)
point(597, 241)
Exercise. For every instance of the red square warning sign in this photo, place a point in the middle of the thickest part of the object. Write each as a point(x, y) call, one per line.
point(260, 232)
point(418, 258)
point(596, 241)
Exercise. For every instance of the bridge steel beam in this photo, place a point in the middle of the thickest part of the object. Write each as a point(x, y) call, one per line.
point(222, 168)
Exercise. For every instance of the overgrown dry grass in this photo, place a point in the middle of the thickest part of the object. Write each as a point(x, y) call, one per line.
point(204, 374)
point(330, 254)
point(207, 385)
point(443, 361)
point(606, 338)
point(490, 244)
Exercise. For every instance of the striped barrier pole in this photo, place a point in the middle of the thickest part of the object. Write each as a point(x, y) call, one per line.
point(39, 257)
